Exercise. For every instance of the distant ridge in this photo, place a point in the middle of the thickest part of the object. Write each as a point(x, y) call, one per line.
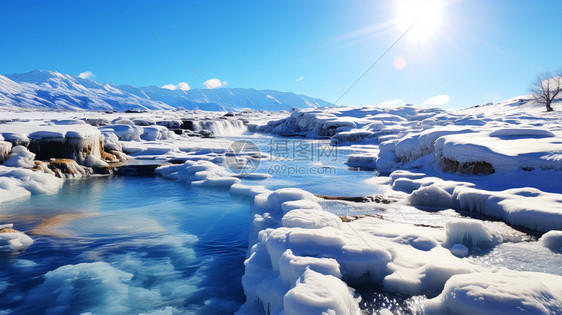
point(53, 90)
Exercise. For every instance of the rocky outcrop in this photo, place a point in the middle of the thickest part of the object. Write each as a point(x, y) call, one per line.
point(69, 147)
point(474, 168)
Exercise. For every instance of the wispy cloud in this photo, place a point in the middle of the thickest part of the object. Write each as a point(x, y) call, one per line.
point(180, 86)
point(438, 100)
point(87, 75)
point(300, 78)
point(387, 103)
point(214, 83)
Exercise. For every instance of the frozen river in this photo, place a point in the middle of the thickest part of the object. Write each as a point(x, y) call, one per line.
point(132, 245)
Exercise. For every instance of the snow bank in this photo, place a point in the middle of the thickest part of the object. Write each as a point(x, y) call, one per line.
point(526, 207)
point(416, 145)
point(431, 195)
point(506, 150)
point(505, 292)
point(293, 239)
point(17, 182)
point(343, 124)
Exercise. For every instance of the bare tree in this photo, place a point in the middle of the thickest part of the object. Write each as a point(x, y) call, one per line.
point(546, 87)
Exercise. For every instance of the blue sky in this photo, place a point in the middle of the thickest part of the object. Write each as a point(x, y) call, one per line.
point(481, 51)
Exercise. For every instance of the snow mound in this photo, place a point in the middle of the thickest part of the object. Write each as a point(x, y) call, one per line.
point(362, 160)
point(429, 196)
point(552, 240)
point(505, 292)
point(12, 240)
point(20, 157)
point(18, 182)
point(527, 207)
point(470, 233)
point(316, 293)
point(206, 173)
point(310, 219)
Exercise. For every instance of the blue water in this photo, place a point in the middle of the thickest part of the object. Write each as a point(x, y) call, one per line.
point(164, 246)
point(315, 167)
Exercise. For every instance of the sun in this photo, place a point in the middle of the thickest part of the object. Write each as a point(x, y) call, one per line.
point(424, 15)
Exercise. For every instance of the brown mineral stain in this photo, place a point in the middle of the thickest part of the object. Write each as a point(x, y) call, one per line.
point(8, 230)
point(50, 226)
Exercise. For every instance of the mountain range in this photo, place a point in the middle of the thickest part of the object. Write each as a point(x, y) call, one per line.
point(56, 91)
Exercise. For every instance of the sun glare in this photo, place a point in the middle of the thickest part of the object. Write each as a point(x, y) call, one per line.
point(425, 14)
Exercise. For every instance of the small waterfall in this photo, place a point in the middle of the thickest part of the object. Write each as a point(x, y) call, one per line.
point(221, 127)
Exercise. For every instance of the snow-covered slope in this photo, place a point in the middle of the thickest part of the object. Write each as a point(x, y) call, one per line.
point(53, 90)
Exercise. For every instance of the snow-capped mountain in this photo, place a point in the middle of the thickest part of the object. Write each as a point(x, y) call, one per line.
point(226, 98)
point(53, 90)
